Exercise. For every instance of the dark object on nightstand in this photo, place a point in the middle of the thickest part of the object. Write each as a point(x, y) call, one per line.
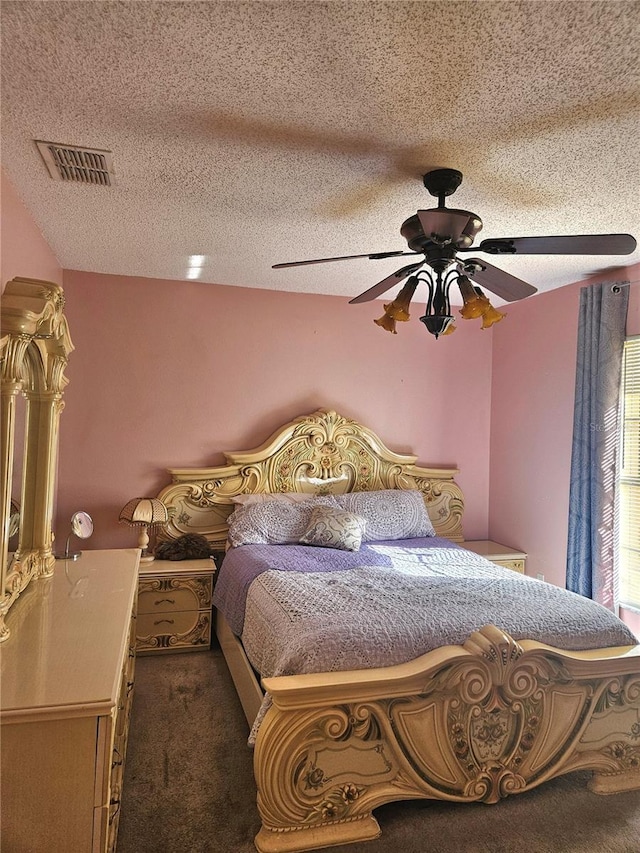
point(191, 546)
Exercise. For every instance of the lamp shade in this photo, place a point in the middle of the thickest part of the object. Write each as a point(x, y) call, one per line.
point(145, 511)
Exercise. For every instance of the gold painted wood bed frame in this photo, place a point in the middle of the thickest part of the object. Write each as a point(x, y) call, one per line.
point(476, 722)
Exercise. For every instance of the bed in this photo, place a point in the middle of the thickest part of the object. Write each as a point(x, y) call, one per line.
point(474, 720)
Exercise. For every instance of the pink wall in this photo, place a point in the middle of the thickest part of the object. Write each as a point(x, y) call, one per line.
point(23, 250)
point(534, 358)
point(171, 374)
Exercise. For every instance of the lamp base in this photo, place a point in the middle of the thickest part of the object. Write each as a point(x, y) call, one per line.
point(147, 558)
point(73, 556)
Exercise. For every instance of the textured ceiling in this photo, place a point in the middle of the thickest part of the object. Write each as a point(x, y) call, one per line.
point(259, 132)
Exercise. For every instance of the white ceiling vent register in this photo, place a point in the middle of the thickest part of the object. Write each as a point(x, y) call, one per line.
point(78, 165)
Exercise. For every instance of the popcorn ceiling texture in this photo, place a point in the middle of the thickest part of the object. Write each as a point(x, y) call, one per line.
point(259, 132)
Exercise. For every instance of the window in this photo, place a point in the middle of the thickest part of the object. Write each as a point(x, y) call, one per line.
point(629, 507)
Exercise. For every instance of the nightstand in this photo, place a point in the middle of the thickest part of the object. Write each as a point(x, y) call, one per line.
point(499, 554)
point(174, 606)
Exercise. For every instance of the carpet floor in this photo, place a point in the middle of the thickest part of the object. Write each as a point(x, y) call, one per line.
point(189, 786)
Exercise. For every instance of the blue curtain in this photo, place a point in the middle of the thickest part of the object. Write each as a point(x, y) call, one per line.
point(591, 546)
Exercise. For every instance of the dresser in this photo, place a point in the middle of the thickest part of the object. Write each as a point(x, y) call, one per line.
point(174, 606)
point(67, 686)
point(501, 555)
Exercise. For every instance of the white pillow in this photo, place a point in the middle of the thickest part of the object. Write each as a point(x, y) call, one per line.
point(272, 522)
point(334, 528)
point(389, 513)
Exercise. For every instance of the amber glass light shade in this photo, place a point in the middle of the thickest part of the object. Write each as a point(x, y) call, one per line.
point(397, 311)
point(475, 304)
point(387, 322)
point(399, 308)
point(491, 316)
point(474, 308)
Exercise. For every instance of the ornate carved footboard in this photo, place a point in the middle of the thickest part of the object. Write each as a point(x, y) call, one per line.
point(462, 723)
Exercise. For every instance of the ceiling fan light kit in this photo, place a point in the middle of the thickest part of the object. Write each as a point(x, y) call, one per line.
point(440, 234)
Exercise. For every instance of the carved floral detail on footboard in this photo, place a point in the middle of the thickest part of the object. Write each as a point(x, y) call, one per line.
point(486, 718)
point(611, 744)
point(492, 720)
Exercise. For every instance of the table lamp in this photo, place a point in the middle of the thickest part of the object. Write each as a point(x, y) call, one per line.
point(145, 513)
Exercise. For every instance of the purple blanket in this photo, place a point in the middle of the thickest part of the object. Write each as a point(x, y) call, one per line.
point(243, 564)
point(303, 609)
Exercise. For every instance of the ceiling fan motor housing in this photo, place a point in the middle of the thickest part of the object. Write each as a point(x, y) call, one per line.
point(411, 230)
point(441, 226)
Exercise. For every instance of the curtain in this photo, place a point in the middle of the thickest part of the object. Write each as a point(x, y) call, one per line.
point(591, 545)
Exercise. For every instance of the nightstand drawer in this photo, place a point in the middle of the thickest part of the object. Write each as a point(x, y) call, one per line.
point(514, 565)
point(174, 606)
point(162, 595)
point(172, 631)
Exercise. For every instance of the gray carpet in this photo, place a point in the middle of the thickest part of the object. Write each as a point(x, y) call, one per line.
point(189, 786)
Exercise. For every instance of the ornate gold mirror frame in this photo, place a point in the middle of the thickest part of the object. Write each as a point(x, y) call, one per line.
point(34, 350)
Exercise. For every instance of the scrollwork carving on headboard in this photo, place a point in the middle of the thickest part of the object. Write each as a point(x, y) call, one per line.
point(320, 453)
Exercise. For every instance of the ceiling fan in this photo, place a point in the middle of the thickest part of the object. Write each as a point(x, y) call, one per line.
point(441, 235)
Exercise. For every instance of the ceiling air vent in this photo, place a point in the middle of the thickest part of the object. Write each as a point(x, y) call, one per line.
point(78, 165)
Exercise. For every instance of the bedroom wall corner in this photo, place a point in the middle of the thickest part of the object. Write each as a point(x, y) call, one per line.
point(534, 361)
point(23, 250)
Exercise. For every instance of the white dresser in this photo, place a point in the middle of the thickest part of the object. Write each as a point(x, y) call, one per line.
point(67, 686)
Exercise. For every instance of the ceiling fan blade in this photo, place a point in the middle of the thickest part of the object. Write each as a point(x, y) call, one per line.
point(583, 244)
point(386, 283)
point(502, 283)
point(373, 256)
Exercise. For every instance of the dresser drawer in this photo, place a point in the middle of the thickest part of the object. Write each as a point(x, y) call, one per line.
point(183, 629)
point(164, 595)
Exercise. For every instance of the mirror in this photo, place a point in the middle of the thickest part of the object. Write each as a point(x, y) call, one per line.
point(14, 520)
point(82, 527)
point(34, 351)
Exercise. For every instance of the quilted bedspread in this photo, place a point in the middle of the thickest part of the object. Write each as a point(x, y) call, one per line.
point(423, 594)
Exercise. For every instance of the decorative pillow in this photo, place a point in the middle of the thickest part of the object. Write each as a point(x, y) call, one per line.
point(389, 513)
point(272, 522)
point(334, 528)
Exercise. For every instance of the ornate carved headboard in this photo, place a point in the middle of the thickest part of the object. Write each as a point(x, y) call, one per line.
point(321, 453)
